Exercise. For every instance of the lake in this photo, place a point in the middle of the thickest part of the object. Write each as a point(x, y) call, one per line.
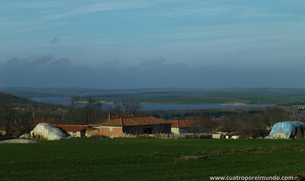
point(149, 107)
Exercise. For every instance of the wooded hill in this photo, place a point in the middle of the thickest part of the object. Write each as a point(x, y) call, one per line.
point(15, 101)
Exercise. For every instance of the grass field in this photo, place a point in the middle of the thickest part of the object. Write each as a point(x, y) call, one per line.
point(149, 159)
point(207, 98)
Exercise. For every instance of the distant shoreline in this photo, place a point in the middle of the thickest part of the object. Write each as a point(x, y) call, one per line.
point(67, 101)
point(161, 103)
point(159, 106)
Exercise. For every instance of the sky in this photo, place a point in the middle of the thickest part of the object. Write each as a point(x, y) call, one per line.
point(152, 43)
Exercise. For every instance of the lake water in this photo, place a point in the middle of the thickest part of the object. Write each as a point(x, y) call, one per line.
point(56, 100)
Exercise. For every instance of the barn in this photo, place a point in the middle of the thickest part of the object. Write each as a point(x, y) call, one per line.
point(116, 126)
point(75, 131)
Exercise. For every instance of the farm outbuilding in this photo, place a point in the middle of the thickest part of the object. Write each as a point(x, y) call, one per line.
point(287, 129)
point(75, 131)
point(118, 125)
point(181, 126)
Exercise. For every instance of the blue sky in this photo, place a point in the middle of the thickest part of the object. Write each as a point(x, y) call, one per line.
point(149, 44)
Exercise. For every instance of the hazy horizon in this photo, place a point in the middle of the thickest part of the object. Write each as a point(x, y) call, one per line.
point(152, 44)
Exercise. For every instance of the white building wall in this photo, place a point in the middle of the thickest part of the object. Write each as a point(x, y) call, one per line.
point(175, 130)
point(179, 130)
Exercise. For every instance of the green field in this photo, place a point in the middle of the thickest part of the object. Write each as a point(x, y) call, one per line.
point(150, 159)
point(204, 98)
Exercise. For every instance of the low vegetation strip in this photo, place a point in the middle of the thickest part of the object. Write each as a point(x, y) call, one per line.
point(150, 159)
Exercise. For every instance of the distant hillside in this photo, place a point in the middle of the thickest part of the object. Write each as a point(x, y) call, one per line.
point(171, 95)
point(16, 101)
point(27, 92)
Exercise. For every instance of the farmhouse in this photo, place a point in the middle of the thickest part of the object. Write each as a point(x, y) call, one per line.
point(76, 131)
point(181, 126)
point(116, 126)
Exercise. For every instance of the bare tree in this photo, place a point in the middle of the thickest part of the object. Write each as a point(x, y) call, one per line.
point(234, 122)
point(98, 111)
point(273, 115)
point(137, 130)
point(201, 123)
point(131, 107)
point(241, 122)
point(117, 109)
point(294, 115)
point(257, 127)
point(157, 129)
point(30, 113)
point(73, 109)
point(89, 109)
point(46, 108)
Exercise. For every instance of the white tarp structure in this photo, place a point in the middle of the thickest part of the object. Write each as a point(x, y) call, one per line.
point(47, 131)
point(25, 136)
point(19, 141)
point(283, 130)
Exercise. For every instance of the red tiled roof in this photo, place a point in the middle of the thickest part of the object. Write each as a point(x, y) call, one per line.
point(181, 123)
point(134, 121)
point(72, 128)
point(112, 118)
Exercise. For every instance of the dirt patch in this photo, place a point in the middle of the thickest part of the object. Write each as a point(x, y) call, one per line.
point(293, 145)
point(194, 157)
point(251, 149)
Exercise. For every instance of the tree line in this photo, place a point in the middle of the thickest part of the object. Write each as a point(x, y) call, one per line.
point(94, 110)
point(246, 123)
point(11, 115)
point(250, 123)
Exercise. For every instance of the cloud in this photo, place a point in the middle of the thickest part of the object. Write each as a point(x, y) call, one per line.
point(38, 60)
point(29, 61)
point(6, 18)
point(54, 40)
point(154, 61)
point(104, 6)
point(31, 29)
point(167, 75)
point(112, 62)
point(14, 62)
point(61, 61)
